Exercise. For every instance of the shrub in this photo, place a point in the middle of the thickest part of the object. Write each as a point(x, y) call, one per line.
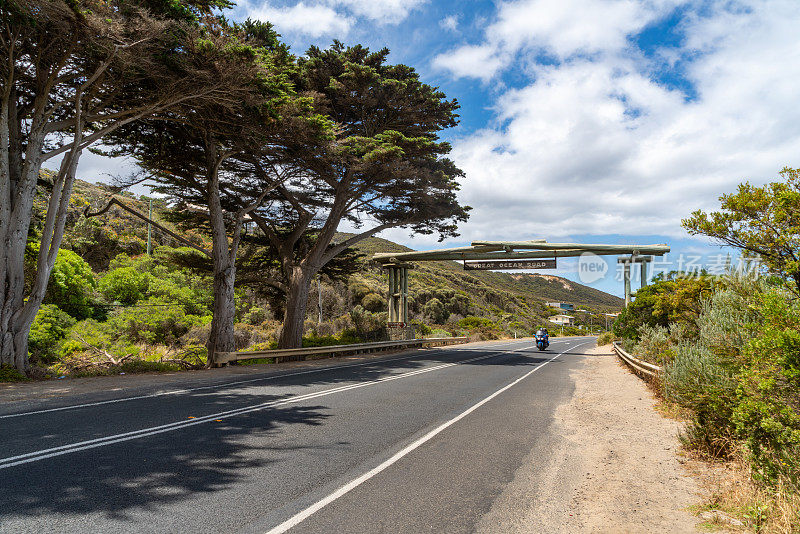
point(49, 329)
point(605, 338)
point(157, 321)
point(10, 374)
point(472, 322)
point(373, 302)
point(126, 285)
point(435, 310)
point(697, 379)
point(438, 332)
point(654, 341)
point(72, 284)
point(256, 316)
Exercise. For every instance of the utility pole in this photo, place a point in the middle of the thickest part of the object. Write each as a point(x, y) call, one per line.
point(149, 217)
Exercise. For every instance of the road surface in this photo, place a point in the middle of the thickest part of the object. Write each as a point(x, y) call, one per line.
point(416, 442)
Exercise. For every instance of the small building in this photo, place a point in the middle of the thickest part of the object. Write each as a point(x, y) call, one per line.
point(566, 306)
point(562, 320)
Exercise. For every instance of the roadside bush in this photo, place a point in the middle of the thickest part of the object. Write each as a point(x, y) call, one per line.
point(439, 332)
point(654, 344)
point(605, 338)
point(373, 302)
point(49, 329)
point(436, 311)
point(421, 328)
point(126, 285)
point(156, 321)
point(767, 416)
point(10, 374)
point(72, 285)
point(472, 322)
point(697, 379)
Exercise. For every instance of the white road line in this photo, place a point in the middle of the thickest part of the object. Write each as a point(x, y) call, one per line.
point(35, 456)
point(317, 506)
point(226, 384)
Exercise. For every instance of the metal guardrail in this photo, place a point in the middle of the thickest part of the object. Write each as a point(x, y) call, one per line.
point(636, 364)
point(278, 354)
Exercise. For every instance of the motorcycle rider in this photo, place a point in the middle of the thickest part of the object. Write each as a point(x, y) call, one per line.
point(542, 335)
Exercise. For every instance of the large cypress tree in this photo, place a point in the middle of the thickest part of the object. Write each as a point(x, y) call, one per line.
point(74, 71)
point(385, 168)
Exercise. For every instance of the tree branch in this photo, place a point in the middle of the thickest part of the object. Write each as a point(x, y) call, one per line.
point(144, 217)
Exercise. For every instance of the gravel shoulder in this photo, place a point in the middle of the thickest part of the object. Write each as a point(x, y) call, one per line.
point(616, 466)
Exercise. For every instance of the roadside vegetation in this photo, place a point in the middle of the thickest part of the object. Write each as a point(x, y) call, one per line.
point(730, 350)
point(113, 308)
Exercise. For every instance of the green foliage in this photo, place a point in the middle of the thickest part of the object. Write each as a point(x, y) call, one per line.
point(255, 316)
point(125, 285)
point(698, 380)
point(373, 302)
point(157, 320)
point(10, 374)
point(474, 323)
point(767, 415)
point(764, 221)
point(652, 344)
point(739, 374)
point(676, 300)
point(49, 329)
point(436, 311)
point(605, 338)
point(72, 285)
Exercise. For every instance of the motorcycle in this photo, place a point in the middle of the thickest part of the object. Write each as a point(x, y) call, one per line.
point(542, 341)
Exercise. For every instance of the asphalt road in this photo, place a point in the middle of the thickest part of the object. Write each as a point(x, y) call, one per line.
point(422, 442)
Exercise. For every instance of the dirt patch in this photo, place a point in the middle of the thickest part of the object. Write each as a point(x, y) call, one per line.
point(617, 466)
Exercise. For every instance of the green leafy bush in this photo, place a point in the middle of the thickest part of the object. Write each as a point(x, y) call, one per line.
point(436, 311)
point(476, 322)
point(654, 343)
point(126, 285)
point(373, 302)
point(10, 374)
point(156, 320)
point(605, 338)
point(49, 329)
point(72, 285)
point(256, 316)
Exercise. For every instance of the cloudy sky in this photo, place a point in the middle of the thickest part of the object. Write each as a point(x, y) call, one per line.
point(586, 120)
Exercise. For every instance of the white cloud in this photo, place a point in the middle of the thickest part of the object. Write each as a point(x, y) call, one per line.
point(478, 61)
point(561, 28)
point(313, 20)
point(449, 23)
point(385, 11)
point(595, 146)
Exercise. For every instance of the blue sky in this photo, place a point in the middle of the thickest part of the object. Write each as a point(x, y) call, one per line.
point(585, 120)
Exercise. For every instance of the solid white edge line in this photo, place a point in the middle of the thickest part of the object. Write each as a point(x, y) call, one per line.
point(226, 384)
point(314, 508)
point(43, 454)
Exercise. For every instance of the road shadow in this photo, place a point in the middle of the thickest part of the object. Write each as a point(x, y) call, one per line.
point(148, 473)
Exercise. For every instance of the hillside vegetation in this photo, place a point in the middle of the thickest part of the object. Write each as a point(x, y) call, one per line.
point(110, 307)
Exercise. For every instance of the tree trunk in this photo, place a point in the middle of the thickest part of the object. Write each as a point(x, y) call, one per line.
point(294, 316)
point(221, 338)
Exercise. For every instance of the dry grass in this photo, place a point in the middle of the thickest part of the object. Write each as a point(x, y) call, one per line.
point(730, 489)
